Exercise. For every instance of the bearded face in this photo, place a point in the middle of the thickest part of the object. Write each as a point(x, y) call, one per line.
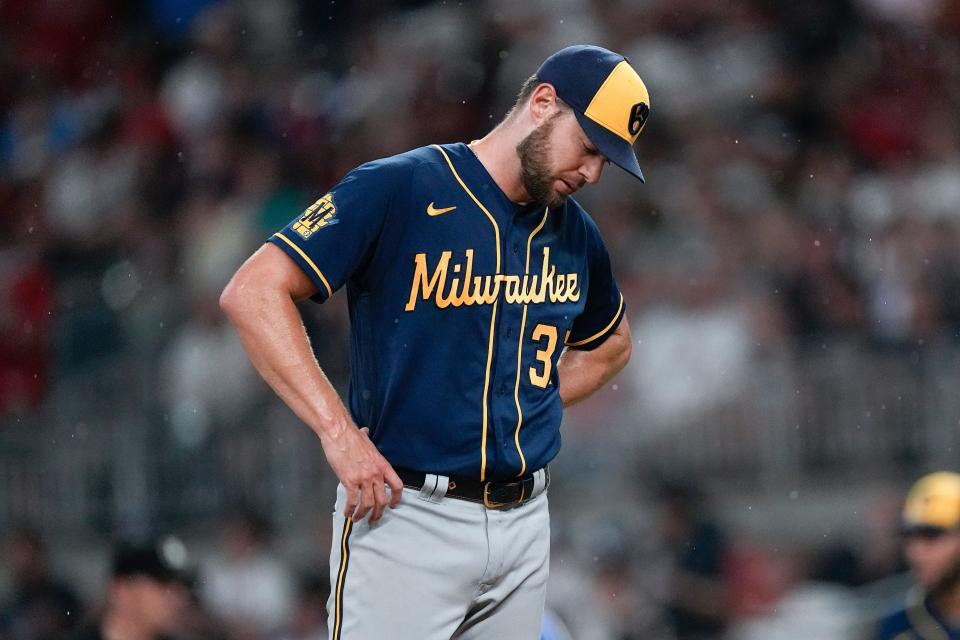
point(535, 171)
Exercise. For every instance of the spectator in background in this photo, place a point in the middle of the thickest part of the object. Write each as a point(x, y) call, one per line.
point(248, 588)
point(198, 396)
point(40, 607)
point(931, 531)
point(799, 596)
point(699, 598)
point(26, 304)
point(309, 618)
point(148, 594)
point(620, 599)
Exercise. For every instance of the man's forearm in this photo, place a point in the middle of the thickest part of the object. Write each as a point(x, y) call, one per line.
point(583, 372)
point(275, 340)
point(260, 300)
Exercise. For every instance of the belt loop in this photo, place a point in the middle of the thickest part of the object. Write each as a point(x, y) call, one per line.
point(434, 487)
point(539, 482)
point(429, 486)
point(443, 483)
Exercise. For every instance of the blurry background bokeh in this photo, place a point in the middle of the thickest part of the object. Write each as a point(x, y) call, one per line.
point(791, 269)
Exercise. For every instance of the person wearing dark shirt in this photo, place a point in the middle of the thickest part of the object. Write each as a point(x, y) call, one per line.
point(40, 607)
point(147, 596)
point(931, 533)
point(699, 595)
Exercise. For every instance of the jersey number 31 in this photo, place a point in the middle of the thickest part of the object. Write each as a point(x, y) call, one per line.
point(545, 355)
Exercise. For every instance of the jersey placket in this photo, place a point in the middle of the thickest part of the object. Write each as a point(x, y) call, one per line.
point(526, 250)
point(503, 409)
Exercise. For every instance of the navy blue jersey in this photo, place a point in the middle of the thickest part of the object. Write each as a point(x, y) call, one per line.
point(919, 620)
point(461, 302)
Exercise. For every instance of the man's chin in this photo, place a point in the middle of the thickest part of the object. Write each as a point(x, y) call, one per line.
point(553, 200)
point(558, 201)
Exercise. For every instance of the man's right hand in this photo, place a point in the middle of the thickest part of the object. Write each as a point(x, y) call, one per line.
point(362, 471)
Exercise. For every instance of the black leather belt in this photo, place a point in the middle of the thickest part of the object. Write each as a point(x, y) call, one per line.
point(500, 495)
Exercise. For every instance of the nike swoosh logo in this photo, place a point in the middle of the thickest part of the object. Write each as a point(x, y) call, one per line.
point(432, 211)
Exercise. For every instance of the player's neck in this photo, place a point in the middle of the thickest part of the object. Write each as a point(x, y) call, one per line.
point(497, 152)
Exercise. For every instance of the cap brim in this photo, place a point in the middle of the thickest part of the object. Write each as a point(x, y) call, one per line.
point(616, 149)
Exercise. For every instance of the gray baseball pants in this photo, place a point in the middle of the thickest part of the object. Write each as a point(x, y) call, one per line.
point(438, 568)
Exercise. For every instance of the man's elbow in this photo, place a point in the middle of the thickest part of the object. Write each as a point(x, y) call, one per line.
point(231, 298)
point(624, 344)
point(623, 354)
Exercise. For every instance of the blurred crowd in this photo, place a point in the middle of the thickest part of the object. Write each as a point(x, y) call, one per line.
point(804, 170)
point(803, 188)
point(676, 575)
point(156, 589)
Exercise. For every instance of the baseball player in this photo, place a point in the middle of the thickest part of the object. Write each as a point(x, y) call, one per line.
point(481, 303)
point(931, 530)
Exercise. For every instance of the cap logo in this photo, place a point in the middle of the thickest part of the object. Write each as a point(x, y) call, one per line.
point(621, 104)
point(638, 118)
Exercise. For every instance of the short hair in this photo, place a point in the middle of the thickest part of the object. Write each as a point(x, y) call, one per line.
point(526, 90)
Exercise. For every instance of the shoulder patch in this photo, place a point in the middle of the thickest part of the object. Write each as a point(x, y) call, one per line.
point(320, 214)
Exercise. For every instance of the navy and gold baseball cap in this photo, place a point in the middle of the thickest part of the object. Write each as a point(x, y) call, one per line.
point(933, 504)
point(609, 98)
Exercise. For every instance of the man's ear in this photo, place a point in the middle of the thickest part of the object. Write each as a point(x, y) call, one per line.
point(543, 102)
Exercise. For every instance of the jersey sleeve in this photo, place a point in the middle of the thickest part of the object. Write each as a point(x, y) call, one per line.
point(332, 239)
point(604, 306)
point(893, 626)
